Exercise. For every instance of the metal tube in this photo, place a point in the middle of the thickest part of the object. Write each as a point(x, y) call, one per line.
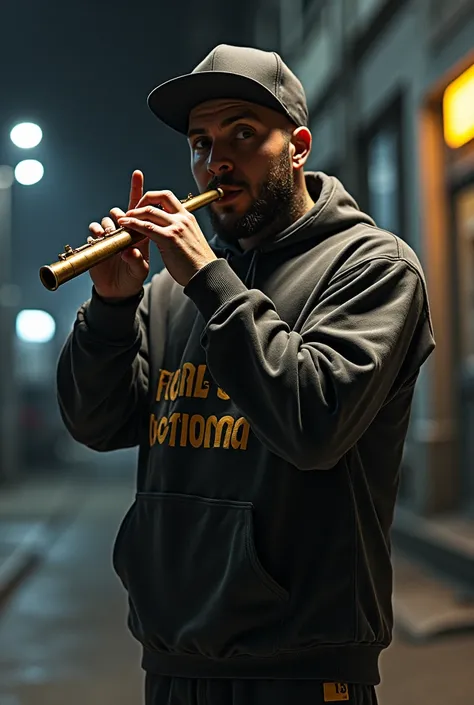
point(72, 263)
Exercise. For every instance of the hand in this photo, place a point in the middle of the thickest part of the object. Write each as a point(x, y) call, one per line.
point(176, 232)
point(122, 275)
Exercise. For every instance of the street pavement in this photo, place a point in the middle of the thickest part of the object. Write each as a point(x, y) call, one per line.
point(63, 635)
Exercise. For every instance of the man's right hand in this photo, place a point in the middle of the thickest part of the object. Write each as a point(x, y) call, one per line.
point(122, 275)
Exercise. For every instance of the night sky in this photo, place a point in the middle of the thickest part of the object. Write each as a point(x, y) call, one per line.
point(83, 71)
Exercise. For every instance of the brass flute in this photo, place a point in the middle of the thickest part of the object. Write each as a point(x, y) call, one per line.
point(73, 262)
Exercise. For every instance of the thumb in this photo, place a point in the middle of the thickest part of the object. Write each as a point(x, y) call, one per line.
point(137, 264)
point(144, 248)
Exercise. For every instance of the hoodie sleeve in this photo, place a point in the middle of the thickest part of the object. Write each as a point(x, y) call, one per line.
point(102, 373)
point(310, 396)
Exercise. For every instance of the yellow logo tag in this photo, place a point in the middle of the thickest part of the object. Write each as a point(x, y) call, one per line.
point(335, 692)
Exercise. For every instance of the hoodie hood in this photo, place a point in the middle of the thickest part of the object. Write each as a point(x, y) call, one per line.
point(334, 210)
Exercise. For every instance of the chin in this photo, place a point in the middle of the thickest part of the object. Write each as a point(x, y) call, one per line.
point(229, 215)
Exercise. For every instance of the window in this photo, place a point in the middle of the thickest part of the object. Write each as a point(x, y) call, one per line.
point(383, 181)
point(381, 192)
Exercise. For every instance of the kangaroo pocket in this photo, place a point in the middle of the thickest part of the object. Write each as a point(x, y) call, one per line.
point(195, 583)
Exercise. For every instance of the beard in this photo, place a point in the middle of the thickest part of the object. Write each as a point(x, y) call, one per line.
point(275, 208)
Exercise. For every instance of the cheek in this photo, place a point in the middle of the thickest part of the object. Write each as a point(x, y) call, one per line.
point(255, 160)
point(254, 169)
point(199, 171)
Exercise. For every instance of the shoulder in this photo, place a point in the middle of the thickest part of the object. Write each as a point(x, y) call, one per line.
point(365, 244)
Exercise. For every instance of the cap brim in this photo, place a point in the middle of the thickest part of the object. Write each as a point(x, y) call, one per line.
point(172, 101)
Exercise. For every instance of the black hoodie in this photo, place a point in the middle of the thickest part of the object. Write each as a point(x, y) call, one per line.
point(270, 400)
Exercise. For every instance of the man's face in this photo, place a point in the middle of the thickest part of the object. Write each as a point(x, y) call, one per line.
point(246, 149)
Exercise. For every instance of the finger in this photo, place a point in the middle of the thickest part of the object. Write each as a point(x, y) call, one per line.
point(108, 224)
point(132, 255)
point(166, 199)
point(138, 264)
point(96, 229)
point(116, 213)
point(147, 228)
point(150, 213)
point(136, 188)
point(142, 246)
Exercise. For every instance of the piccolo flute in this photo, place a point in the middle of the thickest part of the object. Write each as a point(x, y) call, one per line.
point(73, 262)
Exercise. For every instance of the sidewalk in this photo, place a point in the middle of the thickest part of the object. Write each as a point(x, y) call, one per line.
point(63, 633)
point(425, 607)
point(35, 509)
point(32, 512)
point(89, 656)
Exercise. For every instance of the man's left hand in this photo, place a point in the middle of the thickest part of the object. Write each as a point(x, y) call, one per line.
point(175, 231)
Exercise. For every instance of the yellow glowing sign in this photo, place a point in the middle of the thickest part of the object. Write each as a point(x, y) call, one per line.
point(458, 110)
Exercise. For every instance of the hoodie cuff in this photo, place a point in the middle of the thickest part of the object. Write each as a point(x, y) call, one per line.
point(213, 286)
point(112, 321)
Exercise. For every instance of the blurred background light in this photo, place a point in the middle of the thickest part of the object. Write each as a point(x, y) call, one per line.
point(29, 172)
point(26, 135)
point(458, 110)
point(35, 326)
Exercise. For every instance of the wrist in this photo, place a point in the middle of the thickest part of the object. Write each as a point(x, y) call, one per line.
point(113, 319)
point(112, 300)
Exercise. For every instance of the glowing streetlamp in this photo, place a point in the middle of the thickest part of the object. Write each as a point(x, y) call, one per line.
point(25, 135)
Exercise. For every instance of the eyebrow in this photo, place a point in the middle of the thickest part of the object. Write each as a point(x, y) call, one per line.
point(225, 123)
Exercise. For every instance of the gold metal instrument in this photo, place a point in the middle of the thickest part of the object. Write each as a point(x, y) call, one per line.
point(73, 262)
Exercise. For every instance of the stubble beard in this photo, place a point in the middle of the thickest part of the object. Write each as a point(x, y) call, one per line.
point(276, 207)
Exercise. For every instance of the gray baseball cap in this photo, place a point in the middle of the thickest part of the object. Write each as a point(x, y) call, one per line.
point(232, 72)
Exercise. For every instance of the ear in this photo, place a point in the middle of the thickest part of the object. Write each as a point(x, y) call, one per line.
point(300, 141)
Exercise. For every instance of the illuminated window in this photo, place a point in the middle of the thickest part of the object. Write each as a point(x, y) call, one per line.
point(458, 110)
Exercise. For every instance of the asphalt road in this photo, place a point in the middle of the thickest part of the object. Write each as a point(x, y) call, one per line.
point(63, 637)
point(64, 641)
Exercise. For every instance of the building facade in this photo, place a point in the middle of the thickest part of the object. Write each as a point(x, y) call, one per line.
point(390, 85)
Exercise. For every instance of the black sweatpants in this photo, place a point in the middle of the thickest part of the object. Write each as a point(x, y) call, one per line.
point(162, 690)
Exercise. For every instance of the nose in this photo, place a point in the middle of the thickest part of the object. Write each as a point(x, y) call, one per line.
point(218, 163)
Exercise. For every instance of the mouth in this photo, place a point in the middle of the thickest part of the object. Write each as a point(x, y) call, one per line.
point(230, 195)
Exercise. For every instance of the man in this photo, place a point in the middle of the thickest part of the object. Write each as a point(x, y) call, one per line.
point(267, 378)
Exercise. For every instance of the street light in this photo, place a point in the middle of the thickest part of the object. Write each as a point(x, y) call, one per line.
point(25, 135)
point(29, 172)
point(35, 326)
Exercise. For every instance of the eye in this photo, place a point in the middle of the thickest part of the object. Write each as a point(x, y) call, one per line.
point(201, 143)
point(244, 133)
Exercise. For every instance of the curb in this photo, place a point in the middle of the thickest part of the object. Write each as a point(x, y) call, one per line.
point(28, 554)
point(426, 607)
point(15, 569)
